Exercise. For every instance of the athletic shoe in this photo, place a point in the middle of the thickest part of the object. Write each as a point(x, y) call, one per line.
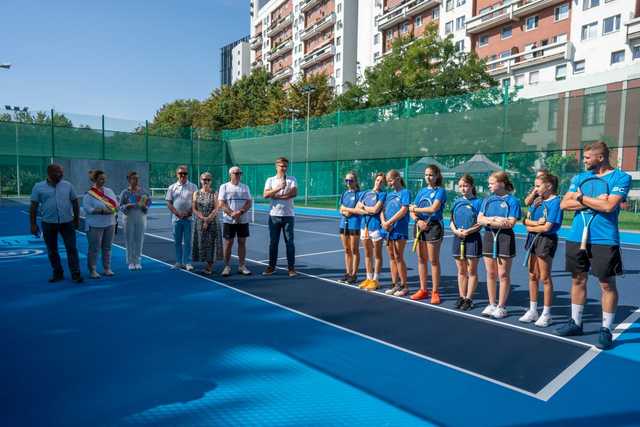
point(364, 283)
point(77, 278)
point(244, 270)
point(499, 313)
point(488, 310)
point(544, 321)
point(435, 298)
point(372, 286)
point(352, 279)
point(401, 292)
point(467, 304)
point(569, 329)
point(529, 317)
point(188, 267)
point(56, 278)
point(268, 271)
point(394, 288)
point(94, 274)
point(345, 278)
point(138, 266)
point(108, 273)
point(132, 266)
point(226, 271)
point(459, 302)
point(605, 340)
point(292, 272)
point(420, 294)
point(177, 266)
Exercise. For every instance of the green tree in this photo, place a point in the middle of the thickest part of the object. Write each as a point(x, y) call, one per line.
point(174, 119)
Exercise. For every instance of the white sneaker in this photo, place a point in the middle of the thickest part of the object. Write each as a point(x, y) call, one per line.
point(138, 266)
point(177, 266)
point(488, 311)
point(499, 313)
point(244, 270)
point(188, 267)
point(544, 321)
point(132, 266)
point(529, 316)
point(226, 271)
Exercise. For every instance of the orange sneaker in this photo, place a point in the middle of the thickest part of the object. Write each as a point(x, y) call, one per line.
point(421, 294)
point(435, 297)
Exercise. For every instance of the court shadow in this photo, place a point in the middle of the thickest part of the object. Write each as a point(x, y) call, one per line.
point(614, 419)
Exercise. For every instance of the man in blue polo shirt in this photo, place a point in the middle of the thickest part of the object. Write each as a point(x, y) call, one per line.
point(602, 256)
point(60, 210)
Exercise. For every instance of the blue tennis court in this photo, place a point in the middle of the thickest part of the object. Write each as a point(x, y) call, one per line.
point(167, 347)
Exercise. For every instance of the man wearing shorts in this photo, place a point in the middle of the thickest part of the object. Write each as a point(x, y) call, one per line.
point(235, 202)
point(602, 257)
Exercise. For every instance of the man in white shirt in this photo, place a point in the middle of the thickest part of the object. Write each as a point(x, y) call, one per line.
point(235, 202)
point(179, 201)
point(281, 189)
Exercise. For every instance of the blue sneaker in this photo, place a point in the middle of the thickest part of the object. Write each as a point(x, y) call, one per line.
point(569, 329)
point(605, 340)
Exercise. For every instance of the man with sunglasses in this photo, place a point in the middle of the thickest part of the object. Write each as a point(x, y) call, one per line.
point(179, 198)
point(235, 202)
point(281, 189)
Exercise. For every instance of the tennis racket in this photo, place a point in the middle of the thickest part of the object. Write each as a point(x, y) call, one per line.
point(348, 200)
point(425, 202)
point(392, 206)
point(463, 217)
point(534, 214)
point(495, 206)
point(369, 200)
point(591, 187)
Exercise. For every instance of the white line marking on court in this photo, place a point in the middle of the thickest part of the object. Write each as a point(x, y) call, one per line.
point(565, 376)
point(311, 254)
point(304, 231)
point(626, 324)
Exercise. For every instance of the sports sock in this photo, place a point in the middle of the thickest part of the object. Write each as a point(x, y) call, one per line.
point(576, 313)
point(533, 306)
point(607, 319)
point(369, 276)
point(546, 310)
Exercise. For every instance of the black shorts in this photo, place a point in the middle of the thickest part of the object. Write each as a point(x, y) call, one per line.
point(472, 246)
point(350, 232)
point(230, 231)
point(432, 234)
point(544, 246)
point(603, 261)
point(506, 244)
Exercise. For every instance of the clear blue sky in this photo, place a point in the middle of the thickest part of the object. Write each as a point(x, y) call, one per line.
point(121, 58)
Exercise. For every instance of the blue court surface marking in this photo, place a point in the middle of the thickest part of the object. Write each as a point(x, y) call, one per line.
point(163, 347)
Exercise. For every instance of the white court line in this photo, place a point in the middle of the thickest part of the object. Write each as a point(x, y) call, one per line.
point(311, 254)
point(567, 375)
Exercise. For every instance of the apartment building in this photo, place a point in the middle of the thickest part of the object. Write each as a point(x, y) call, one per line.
point(294, 38)
point(234, 61)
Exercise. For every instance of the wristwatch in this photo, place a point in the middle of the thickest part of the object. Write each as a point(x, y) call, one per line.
point(579, 198)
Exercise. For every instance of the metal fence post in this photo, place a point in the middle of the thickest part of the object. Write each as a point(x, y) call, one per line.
point(146, 140)
point(53, 143)
point(104, 149)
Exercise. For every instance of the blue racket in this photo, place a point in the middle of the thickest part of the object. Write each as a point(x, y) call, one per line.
point(392, 206)
point(463, 216)
point(370, 199)
point(348, 200)
point(495, 206)
point(424, 202)
point(535, 213)
point(591, 187)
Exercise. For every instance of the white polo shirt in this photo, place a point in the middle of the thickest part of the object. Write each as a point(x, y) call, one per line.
point(280, 207)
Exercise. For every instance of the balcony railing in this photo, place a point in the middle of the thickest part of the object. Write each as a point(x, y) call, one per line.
point(257, 63)
point(318, 55)
point(278, 26)
point(403, 11)
point(530, 6)
point(282, 74)
point(633, 29)
point(539, 55)
point(255, 42)
point(319, 26)
point(308, 4)
point(281, 49)
point(491, 18)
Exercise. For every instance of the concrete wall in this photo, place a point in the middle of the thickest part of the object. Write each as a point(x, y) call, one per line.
point(76, 171)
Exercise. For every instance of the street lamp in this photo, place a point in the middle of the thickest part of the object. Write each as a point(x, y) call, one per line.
point(16, 110)
point(308, 89)
point(293, 112)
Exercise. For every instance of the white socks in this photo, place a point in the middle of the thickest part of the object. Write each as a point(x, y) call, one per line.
point(375, 275)
point(533, 306)
point(546, 310)
point(576, 313)
point(369, 276)
point(607, 319)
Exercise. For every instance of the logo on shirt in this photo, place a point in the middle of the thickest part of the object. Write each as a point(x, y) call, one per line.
point(503, 205)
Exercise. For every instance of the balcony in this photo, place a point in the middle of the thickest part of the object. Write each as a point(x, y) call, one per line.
point(281, 49)
point(282, 74)
point(500, 15)
point(633, 30)
point(280, 25)
point(319, 26)
point(306, 5)
point(257, 63)
point(539, 55)
point(403, 11)
point(318, 55)
point(531, 6)
point(255, 42)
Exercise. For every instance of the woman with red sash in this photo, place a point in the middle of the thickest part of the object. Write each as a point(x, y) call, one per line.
point(100, 205)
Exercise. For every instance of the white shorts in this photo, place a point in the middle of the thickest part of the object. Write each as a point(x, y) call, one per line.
point(374, 235)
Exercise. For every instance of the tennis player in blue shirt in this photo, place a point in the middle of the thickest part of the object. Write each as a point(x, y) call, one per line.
point(350, 227)
point(602, 255)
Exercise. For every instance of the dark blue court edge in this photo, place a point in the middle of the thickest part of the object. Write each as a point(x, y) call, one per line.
point(521, 359)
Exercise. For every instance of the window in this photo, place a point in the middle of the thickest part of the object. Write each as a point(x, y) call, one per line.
point(485, 10)
point(338, 41)
point(339, 8)
point(338, 56)
point(389, 34)
point(534, 77)
point(506, 82)
point(339, 25)
point(449, 5)
point(405, 28)
point(594, 109)
point(636, 52)
point(483, 40)
point(519, 80)
point(460, 2)
point(561, 12)
point(588, 4)
point(560, 38)
point(506, 32)
point(617, 56)
point(376, 39)
point(561, 72)
point(448, 27)
point(435, 13)
point(589, 31)
point(554, 109)
point(611, 24)
point(505, 54)
point(578, 67)
point(460, 46)
point(338, 73)
point(460, 23)
point(531, 23)
point(419, 21)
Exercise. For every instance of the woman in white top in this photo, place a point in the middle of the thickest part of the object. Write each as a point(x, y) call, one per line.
point(101, 206)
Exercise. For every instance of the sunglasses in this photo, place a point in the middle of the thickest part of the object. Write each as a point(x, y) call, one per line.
point(206, 180)
point(348, 180)
point(236, 173)
point(183, 173)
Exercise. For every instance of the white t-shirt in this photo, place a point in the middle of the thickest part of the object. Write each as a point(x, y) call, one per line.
point(280, 207)
point(235, 196)
point(181, 196)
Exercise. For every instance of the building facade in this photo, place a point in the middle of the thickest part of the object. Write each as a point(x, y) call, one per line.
point(234, 61)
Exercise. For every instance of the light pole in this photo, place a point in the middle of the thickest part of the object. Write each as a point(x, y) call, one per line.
point(308, 89)
point(293, 112)
point(16, 110)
